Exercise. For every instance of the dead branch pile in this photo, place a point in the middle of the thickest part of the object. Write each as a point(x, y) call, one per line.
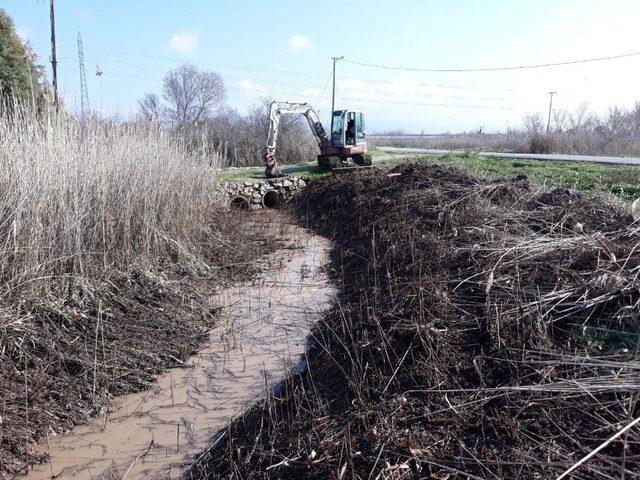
point(484, 330)
point(65, 354)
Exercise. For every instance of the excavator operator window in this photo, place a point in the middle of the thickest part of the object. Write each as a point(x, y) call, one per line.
point(359, 127)
point(337, 124)
point(337, 131)
point(350, 134)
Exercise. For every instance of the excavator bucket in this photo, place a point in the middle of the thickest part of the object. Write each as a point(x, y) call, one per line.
point(272, 170)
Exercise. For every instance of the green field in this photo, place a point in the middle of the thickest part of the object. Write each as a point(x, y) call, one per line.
point(620, 180)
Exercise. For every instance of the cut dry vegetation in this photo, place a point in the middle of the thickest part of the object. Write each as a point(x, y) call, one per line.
point(110, 238)
point(485, 329)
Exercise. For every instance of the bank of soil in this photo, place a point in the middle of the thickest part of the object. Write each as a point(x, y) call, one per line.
point(483, 329)
point(66, 355)
point(259, 334)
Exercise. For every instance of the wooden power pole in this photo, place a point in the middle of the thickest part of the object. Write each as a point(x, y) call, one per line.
point(54, 62)
point(333, 95)
point(551, 94)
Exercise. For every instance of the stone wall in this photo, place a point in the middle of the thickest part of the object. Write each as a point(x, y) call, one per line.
point(256, 193)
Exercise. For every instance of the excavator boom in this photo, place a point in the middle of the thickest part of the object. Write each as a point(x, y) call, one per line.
point(282, 108)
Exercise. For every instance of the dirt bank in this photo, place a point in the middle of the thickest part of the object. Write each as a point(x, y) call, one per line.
point(64, 357)
point(483, 330)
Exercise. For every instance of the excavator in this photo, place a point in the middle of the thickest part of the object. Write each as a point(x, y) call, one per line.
point(347, 144)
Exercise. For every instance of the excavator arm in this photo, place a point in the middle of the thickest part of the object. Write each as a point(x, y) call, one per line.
point(276, 110)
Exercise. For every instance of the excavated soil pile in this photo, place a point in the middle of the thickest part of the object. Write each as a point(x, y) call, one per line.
point(484, 330)
point(63, 356)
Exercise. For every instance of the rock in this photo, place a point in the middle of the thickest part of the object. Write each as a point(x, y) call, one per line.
point(247, 183)
point(302, 184)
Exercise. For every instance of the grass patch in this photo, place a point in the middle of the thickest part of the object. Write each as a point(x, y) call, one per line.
point(620, 180)
point(304, 169)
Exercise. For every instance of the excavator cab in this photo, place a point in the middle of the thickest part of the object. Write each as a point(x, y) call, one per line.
point(348, 142)
point(348, 129)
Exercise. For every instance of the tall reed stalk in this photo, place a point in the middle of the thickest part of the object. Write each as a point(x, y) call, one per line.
point(80, 197)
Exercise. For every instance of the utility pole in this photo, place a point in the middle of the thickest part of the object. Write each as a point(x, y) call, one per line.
point(551, 94)
point(333, 95)
point(54, 62)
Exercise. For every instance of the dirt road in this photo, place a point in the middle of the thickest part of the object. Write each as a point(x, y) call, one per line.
point(261, 333)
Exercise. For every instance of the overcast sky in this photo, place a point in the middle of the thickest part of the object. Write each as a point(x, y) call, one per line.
point(282, 49)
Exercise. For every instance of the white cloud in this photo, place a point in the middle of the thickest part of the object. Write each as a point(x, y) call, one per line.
point(185, 42)
point(252, 89)
point(301, 44)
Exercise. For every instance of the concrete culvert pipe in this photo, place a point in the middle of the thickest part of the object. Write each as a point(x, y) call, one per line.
point(271, 199)
point(239, 203)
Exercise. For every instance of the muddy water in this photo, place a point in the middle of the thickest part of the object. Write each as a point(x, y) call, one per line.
point(261, 334)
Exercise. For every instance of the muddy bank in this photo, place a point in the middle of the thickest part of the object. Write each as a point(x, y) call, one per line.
point(65, 355)
point(483, 330)
point(259, 334)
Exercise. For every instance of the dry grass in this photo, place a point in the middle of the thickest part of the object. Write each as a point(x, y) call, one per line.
point(81, 197)
point(494, 142)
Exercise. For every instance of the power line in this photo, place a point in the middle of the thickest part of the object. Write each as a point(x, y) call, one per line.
point(448, 105)
point(289, 93)
point(301, 87)
point(200, 62)
point(496, 69)
point(324, 89)
point(138, 65)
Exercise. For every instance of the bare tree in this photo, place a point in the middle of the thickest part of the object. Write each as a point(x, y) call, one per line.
point(578, 117)
point(192, 95)
point(560, 120)
point(150, 107)
point(533, 123)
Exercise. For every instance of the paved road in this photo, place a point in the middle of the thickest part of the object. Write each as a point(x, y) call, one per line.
point(529, 156)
